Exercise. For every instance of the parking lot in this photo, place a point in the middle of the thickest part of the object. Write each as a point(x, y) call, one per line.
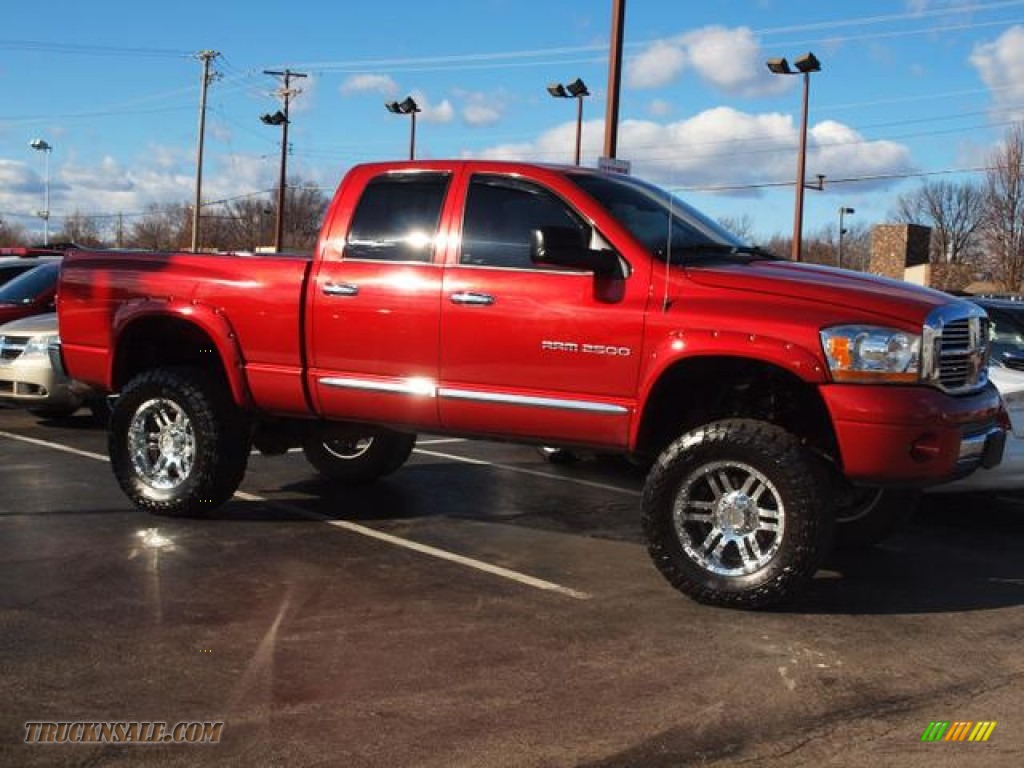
point(478, 608)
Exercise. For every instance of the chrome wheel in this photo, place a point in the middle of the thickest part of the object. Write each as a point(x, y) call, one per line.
point(348, 449)
point(162, 444)
point(729, 518)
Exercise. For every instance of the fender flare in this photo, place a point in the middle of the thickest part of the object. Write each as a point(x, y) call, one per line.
point(210, 320)
point(683, 346)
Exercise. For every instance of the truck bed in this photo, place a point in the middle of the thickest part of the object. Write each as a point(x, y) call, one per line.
point(262, 295)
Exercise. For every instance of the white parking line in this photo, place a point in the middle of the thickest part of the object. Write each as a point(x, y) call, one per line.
point(532, 472)
point(442, 554)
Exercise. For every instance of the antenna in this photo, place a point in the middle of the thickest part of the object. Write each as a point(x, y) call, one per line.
point(668, 248)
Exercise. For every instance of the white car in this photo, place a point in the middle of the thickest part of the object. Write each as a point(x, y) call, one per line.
point(28, 376)
point(1008, 475)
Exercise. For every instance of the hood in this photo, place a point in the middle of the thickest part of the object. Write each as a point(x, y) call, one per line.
point(34, 325)
point(838, 288)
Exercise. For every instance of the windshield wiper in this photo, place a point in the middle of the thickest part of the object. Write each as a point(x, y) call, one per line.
point(692, 252)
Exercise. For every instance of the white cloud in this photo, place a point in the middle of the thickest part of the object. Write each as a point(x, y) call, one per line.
point(1000, 65)
point(444, 112)
point(660, 108)
point(731, 60)
point(720, 147)
point(366, 82)
point(657, 66)
point(480, 114)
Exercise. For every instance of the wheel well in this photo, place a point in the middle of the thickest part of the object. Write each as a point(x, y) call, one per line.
point(160, 342)
point(701, 390)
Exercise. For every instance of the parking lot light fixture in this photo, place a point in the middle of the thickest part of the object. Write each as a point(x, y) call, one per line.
point(805, 65)
point(843, 211)
point(577, 89)
point(41, 145)
point(407, 107)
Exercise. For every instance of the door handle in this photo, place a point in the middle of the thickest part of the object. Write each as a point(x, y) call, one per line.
point(340, 289)
point(472, 299)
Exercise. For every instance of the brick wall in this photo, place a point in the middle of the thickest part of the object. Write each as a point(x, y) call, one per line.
point(894, 247)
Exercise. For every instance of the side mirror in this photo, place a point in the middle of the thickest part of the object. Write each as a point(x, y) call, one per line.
point(561, 246)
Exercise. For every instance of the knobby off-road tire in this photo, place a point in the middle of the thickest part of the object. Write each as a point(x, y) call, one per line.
point(736, 514)
point(355, 458)
point(178, 444)
point(867, 516)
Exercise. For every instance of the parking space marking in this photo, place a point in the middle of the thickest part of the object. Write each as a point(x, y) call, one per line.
point(362, 530)
point(426, 549)
point(55, 446)
point(532, 472)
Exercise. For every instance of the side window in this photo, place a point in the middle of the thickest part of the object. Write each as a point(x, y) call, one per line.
point(396, 218)
point(500, 215)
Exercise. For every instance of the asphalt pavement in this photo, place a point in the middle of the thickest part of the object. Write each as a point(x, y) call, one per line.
point(480, 607)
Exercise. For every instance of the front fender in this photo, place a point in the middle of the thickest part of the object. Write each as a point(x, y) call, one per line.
point(211, 321)
point(680, 346)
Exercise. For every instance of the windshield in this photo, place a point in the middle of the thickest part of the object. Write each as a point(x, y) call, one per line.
point(27, 286)
point(667, 226)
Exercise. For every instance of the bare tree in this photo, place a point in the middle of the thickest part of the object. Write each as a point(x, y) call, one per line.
point(249, 224)
point(305, 207)
point(742, 226)
point(12, 234)
point(81, 229)
point(954, 211)
point(162, 228)
point(1004, 223)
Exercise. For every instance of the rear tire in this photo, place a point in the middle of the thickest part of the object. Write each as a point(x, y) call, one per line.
point(348, 455)
point(735, 514)
point(178, 445)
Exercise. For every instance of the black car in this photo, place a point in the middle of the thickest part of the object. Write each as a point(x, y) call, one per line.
point(1006, 330)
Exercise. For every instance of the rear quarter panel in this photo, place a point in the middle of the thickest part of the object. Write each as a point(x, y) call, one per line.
point(257, 297)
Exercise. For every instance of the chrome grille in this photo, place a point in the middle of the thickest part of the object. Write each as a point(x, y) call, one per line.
point(957, 334)
point(11, 347)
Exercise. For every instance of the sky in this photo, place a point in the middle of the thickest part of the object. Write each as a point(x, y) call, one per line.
point(909, 91)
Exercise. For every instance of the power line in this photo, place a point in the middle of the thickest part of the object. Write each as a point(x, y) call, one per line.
point(81, 49)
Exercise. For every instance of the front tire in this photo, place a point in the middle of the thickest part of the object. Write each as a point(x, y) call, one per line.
point(347, 455)
point(178, 445)
point(735, 514)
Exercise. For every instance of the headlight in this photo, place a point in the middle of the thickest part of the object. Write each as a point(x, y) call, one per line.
point(37, 346)
point(868, 353)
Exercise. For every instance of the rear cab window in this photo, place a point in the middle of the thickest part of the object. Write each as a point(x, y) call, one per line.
point(397, 218)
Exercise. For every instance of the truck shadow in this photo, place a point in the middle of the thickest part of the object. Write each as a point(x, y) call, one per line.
point(960, 553)
point(952, 558)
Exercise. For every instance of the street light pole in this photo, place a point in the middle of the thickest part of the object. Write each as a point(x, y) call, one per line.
point(843, 211)
point(577, 89)
point(805, 65)
point(407, 107)
point(41, 145)
point(611, 116)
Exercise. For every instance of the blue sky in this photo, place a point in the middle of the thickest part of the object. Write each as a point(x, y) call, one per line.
point(906, 87)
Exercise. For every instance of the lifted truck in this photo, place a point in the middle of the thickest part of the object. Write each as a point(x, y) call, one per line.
point(548, 305)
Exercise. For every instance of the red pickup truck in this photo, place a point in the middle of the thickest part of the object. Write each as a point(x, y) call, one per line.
point(551, 305)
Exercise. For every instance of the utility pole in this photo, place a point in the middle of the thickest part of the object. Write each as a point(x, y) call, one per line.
point(611, 114)
point(206, 57)
point(285, 93)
